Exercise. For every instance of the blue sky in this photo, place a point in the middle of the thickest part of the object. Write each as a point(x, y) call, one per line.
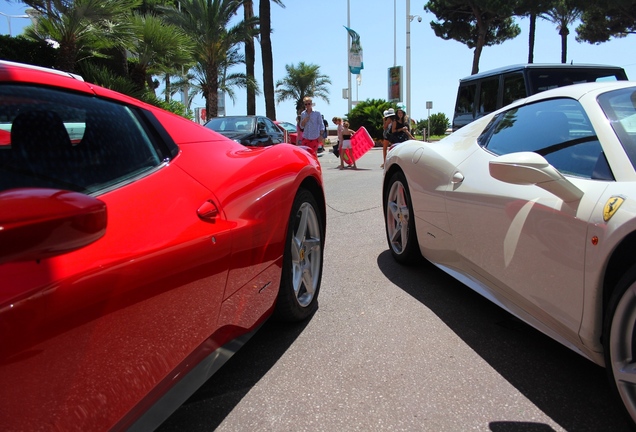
point(313, 31)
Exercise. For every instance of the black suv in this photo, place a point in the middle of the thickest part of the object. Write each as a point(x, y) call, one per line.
point(485, 92)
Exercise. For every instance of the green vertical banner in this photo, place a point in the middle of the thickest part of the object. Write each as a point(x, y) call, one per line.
point(355, 53)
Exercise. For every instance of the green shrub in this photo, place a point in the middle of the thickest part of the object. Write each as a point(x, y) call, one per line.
point(20, 49)
point(439, 124)
point(369, 114)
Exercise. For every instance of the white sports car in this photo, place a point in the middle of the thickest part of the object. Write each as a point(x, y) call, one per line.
point(534, 207)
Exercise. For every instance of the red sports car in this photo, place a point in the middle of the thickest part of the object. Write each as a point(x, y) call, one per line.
point(291, 130)
point(138, 251)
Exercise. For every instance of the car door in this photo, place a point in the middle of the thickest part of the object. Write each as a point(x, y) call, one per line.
point(89, 334)
point(524, 244)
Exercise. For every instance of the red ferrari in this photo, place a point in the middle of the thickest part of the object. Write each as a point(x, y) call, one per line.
point(138, 251)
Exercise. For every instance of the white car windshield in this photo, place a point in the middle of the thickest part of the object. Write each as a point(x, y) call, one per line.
point(620, 108)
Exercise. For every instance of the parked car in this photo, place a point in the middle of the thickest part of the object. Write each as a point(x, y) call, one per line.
point(291, 131)
point(138, 252)
point(534, 207)
point(248, 130)
point(485, 92)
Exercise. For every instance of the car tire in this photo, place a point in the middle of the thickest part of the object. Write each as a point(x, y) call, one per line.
point(619, 341)
point(399, 220)
point(302, 261)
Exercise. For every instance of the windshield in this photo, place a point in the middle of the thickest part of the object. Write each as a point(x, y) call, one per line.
point(288, 127)
point(231, 124)
point(620, 108)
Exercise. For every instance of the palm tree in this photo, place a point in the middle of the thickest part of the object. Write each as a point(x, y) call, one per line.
point(208, 22)
point(248, 13)
point(157, 48)
point(227, 81)
point(267, 57)
point(563, 14)
point(83, 28)
point(302, 80)
point(532, 9)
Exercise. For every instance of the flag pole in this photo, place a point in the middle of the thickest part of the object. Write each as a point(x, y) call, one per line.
point(347, 63)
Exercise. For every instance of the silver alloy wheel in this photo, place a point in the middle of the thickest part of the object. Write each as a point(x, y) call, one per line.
point(306, 254)
point(397, 217)
point(622, 344)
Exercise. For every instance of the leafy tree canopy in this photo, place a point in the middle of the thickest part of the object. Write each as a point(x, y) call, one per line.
point(302, 80)
point(602, 21)
point(475, 23)
point(369, 114)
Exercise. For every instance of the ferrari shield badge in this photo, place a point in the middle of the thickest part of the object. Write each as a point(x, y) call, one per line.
point(611, 206)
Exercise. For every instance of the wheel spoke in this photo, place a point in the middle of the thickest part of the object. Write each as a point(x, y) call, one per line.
point(397, 233)
point(308, 282)
point(295, 250)
point(625, 373)
point(302, 224)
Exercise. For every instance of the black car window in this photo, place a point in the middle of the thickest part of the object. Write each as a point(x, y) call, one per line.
point(488, 93)
point(546, 79)
point(466, 99)
point(514, 88)
point(557, 129)
point(62, 140)
point(271, 128)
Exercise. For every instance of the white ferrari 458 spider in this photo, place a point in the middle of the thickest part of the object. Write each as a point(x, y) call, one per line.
point(534, 207)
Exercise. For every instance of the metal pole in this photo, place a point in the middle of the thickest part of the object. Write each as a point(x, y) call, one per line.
point(9, 19)
point(348, 49)
point(408, 57)
point(394, 35)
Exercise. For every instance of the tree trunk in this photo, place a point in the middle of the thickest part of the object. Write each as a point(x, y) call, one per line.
point(211, 94)
point(482, 29)
point(532, 32)
point(268, 61)
point(168, 88)
point(564, 43)
point(67, 53)
point(248, 8)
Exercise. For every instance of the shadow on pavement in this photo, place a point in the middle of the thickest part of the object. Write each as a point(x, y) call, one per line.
point(570, 389)
point(208, 406)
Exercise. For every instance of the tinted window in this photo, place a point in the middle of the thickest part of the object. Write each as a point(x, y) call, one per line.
point(271, 128)
point(231, 124)
point(557, 129)
point(514, 88)
point(541, 80)
point(68, 141)
point(466, 99)
point(488, 93)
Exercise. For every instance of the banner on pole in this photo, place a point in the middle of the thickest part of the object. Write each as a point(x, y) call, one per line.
point(395, 83)
point(355, 53)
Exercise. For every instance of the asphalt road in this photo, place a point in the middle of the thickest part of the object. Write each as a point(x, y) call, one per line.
point(396, 348)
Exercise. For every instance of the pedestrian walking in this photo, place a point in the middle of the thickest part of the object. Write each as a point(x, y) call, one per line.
point(346, 148)
point(312, 126)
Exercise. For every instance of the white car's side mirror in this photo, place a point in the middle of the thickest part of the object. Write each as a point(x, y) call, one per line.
point(529, 168)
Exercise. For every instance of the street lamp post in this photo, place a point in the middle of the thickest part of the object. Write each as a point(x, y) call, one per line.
point(349, 104)
point(409, 18)
point(9, 19)
point(408, 56)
